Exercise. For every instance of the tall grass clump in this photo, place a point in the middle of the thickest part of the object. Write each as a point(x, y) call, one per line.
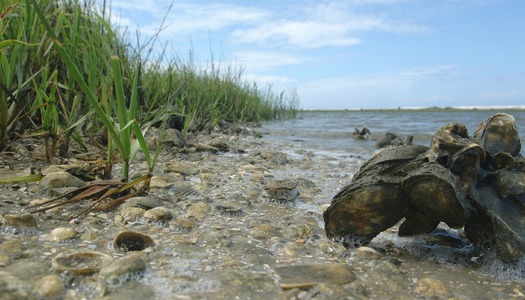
point(66, 74)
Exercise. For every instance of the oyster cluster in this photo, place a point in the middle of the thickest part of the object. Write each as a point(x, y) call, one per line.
point(473, 182)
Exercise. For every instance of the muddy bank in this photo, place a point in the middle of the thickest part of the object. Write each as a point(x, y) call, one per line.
point(245, 222)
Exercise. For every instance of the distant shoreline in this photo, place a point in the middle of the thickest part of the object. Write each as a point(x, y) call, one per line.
point(433, 108)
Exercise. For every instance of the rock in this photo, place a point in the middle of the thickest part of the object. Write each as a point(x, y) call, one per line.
point(144, 202)
point(172, 137)
point(23, 221)
point(58, 180)
point(158, 214)
point(304, 276)
point(478, 186)
point(362, 134)
point(197, 210)
point(275, 157)
point(264, 231)
point(367, 253)
point(430, 288)
point(282, 190)
point(62, 234)
point(28, 268)
point(49, 287)
point(184, 168)
point(12, 288)
point(129, 214)
point(123, 269)
point(132, 290)
point(392, 139)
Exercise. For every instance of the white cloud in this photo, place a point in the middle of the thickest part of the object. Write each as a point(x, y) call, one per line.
point(450, 72)
point(327, 24)
point(262, 61)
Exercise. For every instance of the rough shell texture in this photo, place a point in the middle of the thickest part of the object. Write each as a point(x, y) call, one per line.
point(80, 263)
point(478, 184)
point(362, 210)
point(499, 134)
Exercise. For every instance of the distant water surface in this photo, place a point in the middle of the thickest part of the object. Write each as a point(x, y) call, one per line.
point(332, 130)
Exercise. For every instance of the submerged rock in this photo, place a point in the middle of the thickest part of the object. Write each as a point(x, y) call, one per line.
point(472, 183)
point(304, 276)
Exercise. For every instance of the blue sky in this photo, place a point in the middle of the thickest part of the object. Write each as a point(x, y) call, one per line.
point(353, 53)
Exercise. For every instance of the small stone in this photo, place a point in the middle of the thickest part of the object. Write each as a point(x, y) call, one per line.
point(183, 223)
point(144, 202)
point(182, 168)
point(58, 180)
point(282, 190)
point(49, 287)
point(11, 288)
point(129, 214)
point(62, 234)
point(367, 253)
point(158, 214)
point(275, 157)
point(431, 288)
point(198, 210)
point(123, 269)
point(304, 276)
point(20, 221)
point(264, 231)
point(297, 232)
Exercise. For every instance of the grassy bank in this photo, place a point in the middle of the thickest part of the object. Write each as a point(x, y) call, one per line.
point(78, 78)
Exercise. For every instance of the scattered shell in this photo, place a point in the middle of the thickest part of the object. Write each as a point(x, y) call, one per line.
point(229, 211)
point(132, 241)
point(81, 263)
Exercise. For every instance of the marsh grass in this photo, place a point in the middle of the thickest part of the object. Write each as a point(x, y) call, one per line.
point(66, 74)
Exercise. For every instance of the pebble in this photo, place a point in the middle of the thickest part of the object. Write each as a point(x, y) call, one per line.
point(197, 210)
point(20, 221)
point(431, 288)
point(158, 214)
point(49, 287)
point(58, 180)
point(129, 214)
point(123, 269)
point(367, 253)
point(304, 276)
point(62, 234)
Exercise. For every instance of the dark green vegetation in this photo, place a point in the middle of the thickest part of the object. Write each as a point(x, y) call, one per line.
point(67, 75)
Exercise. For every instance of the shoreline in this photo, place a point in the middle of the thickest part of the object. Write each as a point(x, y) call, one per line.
point(423, 109)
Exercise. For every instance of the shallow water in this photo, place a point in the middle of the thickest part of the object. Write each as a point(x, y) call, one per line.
point(331, 131)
